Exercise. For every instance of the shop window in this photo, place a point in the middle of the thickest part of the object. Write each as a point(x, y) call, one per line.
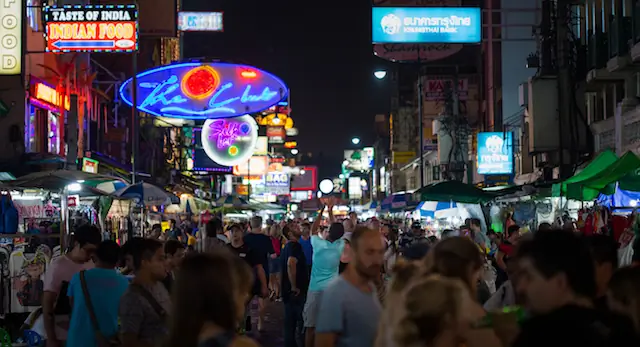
point(53, 134)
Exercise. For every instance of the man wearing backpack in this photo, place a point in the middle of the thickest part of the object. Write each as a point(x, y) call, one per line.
point(94, 296)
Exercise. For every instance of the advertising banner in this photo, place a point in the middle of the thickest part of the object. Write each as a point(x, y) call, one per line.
point(200, 21)
point(495, 153)
point(11, 37)
point(426, 25)
point(435, 89)
point(277, 182)
point(91, 28)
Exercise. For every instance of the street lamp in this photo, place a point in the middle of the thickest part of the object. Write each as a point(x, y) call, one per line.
point(380, 74)
point(355, 140)
point(294, 151)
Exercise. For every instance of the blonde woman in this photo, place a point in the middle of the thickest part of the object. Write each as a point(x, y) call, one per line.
point(275, 271)
point(432, 311)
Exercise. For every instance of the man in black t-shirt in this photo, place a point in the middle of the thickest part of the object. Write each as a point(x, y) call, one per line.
point(294, 285)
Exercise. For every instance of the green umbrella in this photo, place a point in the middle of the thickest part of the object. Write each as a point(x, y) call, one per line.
point(453, 191)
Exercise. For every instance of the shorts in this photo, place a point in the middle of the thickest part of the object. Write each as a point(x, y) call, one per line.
point(311, 308)
point(274, 266)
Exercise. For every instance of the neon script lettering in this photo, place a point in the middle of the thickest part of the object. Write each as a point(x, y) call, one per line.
point(225, 133)
point(167, 94)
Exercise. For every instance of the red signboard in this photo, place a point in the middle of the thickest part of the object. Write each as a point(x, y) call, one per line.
point(276, 132)
point(94, 28)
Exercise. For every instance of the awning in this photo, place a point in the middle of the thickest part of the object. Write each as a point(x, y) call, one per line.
point(596, 166)
point(604, 181)
point(455, 191)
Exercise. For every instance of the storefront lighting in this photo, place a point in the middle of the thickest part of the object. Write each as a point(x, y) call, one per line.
point(74, 187)
point(294, 151)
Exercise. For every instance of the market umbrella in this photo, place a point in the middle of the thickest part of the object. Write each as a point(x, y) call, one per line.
point(457, 191)
point(371, 205)
point(57, 180)
point(231, 201)
point(109, 187)
point(429, 208)
point(148, 193)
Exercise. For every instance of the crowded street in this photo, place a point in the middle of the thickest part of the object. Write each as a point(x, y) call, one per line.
point(386, 173)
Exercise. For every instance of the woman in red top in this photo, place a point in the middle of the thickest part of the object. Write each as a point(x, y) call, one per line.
point(505, 251)
point(274, 263)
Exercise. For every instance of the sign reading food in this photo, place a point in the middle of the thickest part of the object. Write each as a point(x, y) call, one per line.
point(91, 28)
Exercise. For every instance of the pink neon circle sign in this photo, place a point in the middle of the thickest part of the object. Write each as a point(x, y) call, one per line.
point(230, 141)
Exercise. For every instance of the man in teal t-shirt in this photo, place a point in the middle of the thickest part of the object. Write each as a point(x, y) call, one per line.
point(326, 261)
point(105, 286)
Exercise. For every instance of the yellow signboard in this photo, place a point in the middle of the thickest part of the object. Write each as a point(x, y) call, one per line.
point(11, 37)
point(403, 157)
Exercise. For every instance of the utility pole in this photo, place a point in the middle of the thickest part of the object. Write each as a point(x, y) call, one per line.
point(563, 20)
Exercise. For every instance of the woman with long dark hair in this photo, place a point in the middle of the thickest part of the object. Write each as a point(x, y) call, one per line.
point(209, 299)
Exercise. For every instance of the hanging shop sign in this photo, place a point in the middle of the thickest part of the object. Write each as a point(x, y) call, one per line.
point(200, 90)
point(255, 166)
point(90, 165)
point(426, 25)
point(276, 134)
point(47, 97)
point(11, 37)
point(230, 141)
point(277, 182)
point(495, 153)
point(200, 21)
point(291, 144)
point(91, 28)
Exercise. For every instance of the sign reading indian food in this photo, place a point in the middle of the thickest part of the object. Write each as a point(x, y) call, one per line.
point(91, 28)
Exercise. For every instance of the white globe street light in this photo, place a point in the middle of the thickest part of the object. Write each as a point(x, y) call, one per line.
point(326, 186)
point(355, 140)
point(380, 74)
point(294, 151)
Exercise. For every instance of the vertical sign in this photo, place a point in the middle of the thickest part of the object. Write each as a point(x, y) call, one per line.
point(11, 37)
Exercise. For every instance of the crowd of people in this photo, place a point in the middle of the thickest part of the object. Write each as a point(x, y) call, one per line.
point(344, 283)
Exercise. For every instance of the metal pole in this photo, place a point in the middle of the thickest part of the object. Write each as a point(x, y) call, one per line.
point(564, 79)
point(135, 141)
point(420, 120)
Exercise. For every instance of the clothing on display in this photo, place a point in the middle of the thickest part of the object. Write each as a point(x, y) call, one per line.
point(27, 279)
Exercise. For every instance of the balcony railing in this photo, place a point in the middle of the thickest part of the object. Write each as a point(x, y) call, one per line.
point(598, 51)
point(619, 35)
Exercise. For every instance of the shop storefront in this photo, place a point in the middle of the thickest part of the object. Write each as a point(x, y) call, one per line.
point(44, 123)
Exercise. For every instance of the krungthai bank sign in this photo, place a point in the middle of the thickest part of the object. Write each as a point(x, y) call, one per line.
point(10, 37)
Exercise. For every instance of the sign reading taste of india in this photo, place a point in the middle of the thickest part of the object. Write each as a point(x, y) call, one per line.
point(202, 90)
point(91, 28)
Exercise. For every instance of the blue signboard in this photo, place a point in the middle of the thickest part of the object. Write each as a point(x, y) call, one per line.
point(426, 25)
point(495, 153)
point(199, 90)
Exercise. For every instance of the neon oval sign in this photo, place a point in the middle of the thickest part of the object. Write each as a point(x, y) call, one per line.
point(230, 141)
point(199, 90)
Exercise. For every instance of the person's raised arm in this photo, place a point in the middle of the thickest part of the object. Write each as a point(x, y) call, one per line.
point(316, 223)
point(332, 202)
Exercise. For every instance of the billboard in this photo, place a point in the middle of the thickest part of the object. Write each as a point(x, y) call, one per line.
point(11, 37)
point(426, 25)
point(91, 28)
point(495, 153)
point(200, 21)
point(277, 182)
point(359, 159)
point(435, 89)
point(230, 141)
point(202, 90)
point(306, 179)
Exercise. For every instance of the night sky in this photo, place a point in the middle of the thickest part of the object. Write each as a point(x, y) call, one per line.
point(321, 49)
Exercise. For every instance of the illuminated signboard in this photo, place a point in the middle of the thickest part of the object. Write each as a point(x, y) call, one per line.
point(200, 21)
point(90, 165)
point(262, 146)
point(198, 90)
point(91, 28)
point(495, 153)
point(290, 144)
point(277, 182)
point(47, 97)
point(230, 141)
point(426, 25)
point(255, 166)
point(11, 37)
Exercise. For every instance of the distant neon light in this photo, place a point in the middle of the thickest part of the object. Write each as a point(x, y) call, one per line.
point(230, 141)
point(205, 90)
